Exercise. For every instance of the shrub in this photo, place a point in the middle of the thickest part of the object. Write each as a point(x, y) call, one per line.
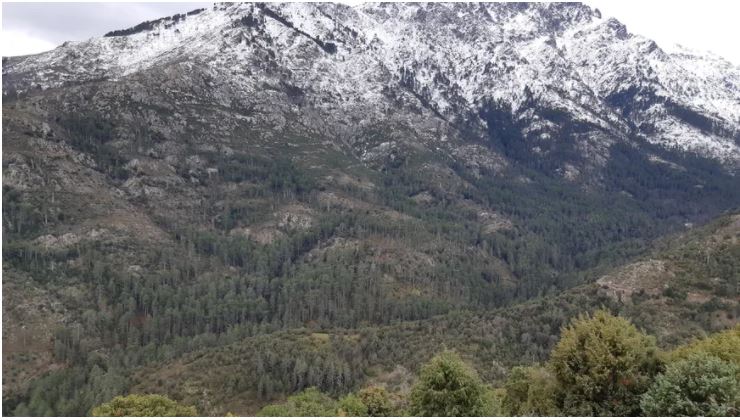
point(352, 406)
point(724, 345)
point(151, 405)
point(448, 387)
point(700, 385)
point(377, 401)
point(309, 403)
point(530, 391)
point(603, 364)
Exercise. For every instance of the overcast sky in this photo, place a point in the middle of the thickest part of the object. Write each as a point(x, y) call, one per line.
point(702, 25)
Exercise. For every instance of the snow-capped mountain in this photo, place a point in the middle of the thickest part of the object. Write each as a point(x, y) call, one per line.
point(251, 172)
point(561, 71)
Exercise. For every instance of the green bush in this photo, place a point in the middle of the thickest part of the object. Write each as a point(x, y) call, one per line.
point(724, 345)
point(530, 391)
point(377, 400)
point(448, 387)
point(603, 364)
point(494, 399)
point(352, 406)
point(309, 403)
point(700, 385)
point(151, 405)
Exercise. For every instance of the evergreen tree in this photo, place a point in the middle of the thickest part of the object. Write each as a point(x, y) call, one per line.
point(530, 391)
point(603, 364)
point(448, 387)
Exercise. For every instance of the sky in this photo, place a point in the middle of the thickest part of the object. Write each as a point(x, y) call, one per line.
point(30, 28)
point(706, 25)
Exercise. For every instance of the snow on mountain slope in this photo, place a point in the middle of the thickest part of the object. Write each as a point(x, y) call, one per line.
point(613, 62)
point(705, 81)
point(450, 59)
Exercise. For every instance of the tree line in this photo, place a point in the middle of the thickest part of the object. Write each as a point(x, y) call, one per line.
point(602, 366)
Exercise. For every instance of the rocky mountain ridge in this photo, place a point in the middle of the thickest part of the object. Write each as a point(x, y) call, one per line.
point(544, 64)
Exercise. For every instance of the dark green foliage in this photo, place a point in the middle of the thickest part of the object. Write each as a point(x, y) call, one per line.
point(503, 130)
point(68, 392)
point(447, 387)
point(352, 406)
point(698, 386)
point(20, 217)
point(93, 135)
point(279, 363)
point(272, 175)
point(530, 391)
point(309, 403)
point(691, 185)
point(266, 367)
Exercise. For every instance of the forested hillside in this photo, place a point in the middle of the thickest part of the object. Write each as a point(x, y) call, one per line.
point(688, 287)
point(602, 366)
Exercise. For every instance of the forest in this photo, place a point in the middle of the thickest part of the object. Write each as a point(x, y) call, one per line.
point(254, 270)
point(602, 366)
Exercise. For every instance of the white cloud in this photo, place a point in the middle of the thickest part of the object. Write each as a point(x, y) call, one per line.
point(33, 26)
point(21, 43)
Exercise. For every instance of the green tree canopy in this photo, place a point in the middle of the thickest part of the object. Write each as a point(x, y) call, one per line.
point(309, 403)
point(448, 387)
point(151, 405)
point(530, 391)
point(700, 385)
point(352, 406)
point(377, 400)
point(724, 345)
point(603, 364)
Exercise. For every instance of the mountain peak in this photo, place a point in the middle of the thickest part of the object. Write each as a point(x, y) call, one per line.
point(452, 57)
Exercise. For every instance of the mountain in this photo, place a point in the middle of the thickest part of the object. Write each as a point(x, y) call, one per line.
point(561, 71)
point(245, 170)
